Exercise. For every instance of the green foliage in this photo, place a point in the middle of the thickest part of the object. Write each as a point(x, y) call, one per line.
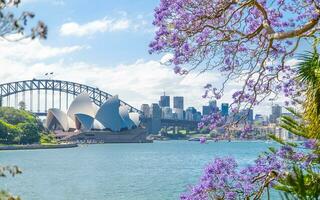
point(309, 74)
point(29, 133)
point(204, 130)
point(15, 116)
point(48, 138)
point(19, 127)
point(300, 184)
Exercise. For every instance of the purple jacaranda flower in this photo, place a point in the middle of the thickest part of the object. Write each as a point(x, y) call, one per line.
point(194, 39)
point(285, 151)
point(203, 140)
point(311, 144)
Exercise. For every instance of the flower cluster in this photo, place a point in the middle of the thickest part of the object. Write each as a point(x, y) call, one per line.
point(211, 121)
point(222, 179)
point(250, 43)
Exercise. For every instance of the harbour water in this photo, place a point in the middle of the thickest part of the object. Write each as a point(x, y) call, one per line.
point(157, 171)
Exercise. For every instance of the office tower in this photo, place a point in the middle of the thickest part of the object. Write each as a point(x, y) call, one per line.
point(155, 123)
point(206, 110)
point(276, 113)
point(145, 108)
point(224, 109)
point(155, 111)
point(179, 113)
point(213, 106)
point(167, 113)
point(250, 115)
point(191, 113)
point(178, 102)
point(164, 101)
point(276, 110)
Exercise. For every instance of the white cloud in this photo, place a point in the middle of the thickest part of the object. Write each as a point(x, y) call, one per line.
point(166, 58)
point(33, 50)
point(140, 82)
point(96, 26)
point(136, 83)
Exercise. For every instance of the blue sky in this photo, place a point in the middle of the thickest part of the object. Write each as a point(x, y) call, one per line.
point(104, 44)
point(106, 48)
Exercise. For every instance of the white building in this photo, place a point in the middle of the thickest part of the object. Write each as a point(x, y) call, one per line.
point(83, 115)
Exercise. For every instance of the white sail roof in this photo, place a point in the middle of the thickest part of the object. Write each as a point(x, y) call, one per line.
point(108, 115)
point(85, 115)
point(97, 125)
point(123, 111)
point(55, 116)
point(81, 105)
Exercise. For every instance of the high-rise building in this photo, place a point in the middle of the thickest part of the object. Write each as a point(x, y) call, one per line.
point(206, 110)
point(250, 115)
point(213, 106)
point(164, 101)
point(224, 109)
point(276, 113)
point(179, 113)
point(155, 111)
point(190, 112)
point(245, 115)
point(145, 108)
point(197, 116)
point(167, 113)
point(277, 110)
point(155, 123)
point(178, 102)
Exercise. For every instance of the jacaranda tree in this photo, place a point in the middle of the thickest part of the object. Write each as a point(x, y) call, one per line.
point(251, 41)
point(248, 40)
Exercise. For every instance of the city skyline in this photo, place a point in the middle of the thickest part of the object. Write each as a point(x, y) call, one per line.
point(273, 113)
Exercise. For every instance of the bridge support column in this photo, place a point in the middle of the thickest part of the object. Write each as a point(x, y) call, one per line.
point(38, 106)
point(0, 101)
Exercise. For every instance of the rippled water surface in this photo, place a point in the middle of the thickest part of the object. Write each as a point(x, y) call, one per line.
point(157, 171)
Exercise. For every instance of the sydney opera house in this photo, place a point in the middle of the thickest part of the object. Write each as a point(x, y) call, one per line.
point(84, 120)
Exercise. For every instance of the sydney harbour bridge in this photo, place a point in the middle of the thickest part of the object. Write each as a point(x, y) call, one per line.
point(39, 95)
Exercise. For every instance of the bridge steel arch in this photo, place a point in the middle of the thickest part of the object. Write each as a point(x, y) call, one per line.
point(97, 96)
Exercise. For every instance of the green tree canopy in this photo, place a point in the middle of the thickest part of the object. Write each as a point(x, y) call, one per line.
point(14, 116)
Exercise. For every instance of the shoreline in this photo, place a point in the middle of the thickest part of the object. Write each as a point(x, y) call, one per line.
point(37, 146)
